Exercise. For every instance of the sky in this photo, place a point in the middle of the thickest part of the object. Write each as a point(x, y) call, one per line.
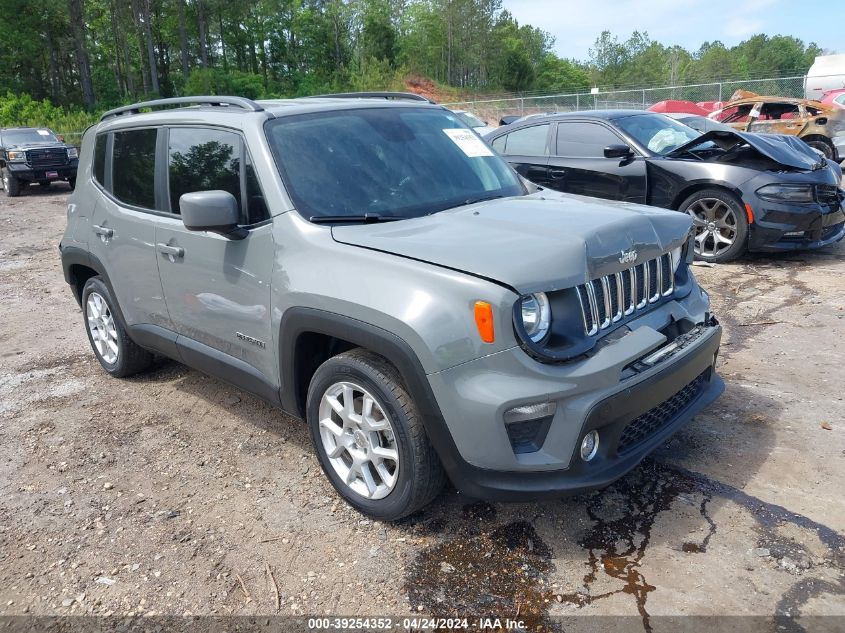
point(576, 24)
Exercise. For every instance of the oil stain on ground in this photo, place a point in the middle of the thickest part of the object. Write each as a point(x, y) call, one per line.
point(485, 571)
point(504, 571)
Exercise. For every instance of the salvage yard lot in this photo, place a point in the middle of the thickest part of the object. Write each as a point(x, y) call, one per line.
point(173, 493)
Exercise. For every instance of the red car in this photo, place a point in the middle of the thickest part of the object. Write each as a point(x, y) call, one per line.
point(835, 98)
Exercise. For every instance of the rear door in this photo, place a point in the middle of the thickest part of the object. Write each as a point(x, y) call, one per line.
point(527, 150)
point(217, 289)
point(778, 118)
point(578, 164)
point(123, 222)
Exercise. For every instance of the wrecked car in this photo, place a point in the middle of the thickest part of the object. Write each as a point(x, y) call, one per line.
point(819, 125)
point(745, 192)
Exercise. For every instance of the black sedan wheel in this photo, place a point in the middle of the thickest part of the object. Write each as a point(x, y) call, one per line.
point(721, 226)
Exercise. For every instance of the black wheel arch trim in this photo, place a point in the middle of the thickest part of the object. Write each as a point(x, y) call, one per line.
point(300, 320)
point(75, 256)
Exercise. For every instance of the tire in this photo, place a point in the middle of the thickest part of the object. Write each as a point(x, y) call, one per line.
point(11, 185)
point(823, 146)
point(119, 356)
point(72, 183)
point(721, 225)
point(397, 487)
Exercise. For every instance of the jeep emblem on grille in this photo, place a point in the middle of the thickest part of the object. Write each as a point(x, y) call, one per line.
point(628, 257)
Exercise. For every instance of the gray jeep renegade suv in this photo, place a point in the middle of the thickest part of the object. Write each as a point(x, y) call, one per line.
point(373, 267)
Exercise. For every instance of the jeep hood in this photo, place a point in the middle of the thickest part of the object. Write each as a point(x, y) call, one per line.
point(789, 151)
point(541, 242)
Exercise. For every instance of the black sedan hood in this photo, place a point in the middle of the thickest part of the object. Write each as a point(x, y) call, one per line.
point(788, 151)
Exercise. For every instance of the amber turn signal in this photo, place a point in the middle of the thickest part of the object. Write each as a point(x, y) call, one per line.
point(484, 321)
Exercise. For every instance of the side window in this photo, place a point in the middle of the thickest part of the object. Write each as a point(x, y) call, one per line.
point(584, 140)
point(840, 99)
point(256, 205)
point(201, 159)
point(133, 167)
point(499, 143)
point(778, 111)
point(735, 114)
point(100, 158)
point(530, 141)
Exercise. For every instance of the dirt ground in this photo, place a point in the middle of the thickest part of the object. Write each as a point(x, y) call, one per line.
point(173, 493)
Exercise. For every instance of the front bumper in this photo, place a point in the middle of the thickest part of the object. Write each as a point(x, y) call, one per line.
point(633, 415)
point(27, 173)
point(779, 227)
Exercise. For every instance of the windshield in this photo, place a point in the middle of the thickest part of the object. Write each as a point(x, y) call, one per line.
point(470, 119)
point(658, 133)
point(19, 137)
point(399, 162)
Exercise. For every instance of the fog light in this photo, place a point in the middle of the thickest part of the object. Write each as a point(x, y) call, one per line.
point(589, 445)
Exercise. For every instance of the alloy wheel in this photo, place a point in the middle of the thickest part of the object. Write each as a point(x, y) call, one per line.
point(359, 440)
point(102, 328)
point(715, 226)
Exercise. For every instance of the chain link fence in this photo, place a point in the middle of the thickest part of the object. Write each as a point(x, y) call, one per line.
point(492, 110)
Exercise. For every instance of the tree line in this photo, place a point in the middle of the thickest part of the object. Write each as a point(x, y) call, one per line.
point(100, 53)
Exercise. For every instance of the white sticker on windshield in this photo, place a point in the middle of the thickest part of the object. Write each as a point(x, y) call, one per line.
point(469, 142)
point(44, 132)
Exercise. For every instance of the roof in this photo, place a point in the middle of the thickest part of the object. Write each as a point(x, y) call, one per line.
point(233, 115)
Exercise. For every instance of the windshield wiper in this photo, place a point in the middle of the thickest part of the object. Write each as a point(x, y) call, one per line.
point(469, 201)
point(366, 218)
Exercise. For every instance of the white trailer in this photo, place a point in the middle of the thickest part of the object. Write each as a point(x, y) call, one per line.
point(826, 73)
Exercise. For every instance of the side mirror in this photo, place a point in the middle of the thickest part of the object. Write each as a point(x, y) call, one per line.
point(618, 151)
point(214, 211)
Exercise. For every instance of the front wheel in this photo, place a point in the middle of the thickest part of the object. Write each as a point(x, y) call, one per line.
point(11, 185)
point(823, 146)
point(721, 225)
point(72, 183)
point(369, 437)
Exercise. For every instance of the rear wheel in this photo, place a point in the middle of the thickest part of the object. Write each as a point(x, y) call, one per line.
point(721, 225)
point(369, 437)
point(117, 353)
point(11, 185)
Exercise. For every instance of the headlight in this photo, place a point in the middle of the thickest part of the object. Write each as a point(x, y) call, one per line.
point(536, 315)
point(677, 254)
point(72, 152)
point(786, 193)
point(16, 157)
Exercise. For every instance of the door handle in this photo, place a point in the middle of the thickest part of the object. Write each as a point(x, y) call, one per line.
point(557, 173)
point(103, 230)
point(175, 252)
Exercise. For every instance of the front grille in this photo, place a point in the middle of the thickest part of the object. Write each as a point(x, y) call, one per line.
point(608, 299)
point(647, 424)
point(828, 194)
point(53, 157)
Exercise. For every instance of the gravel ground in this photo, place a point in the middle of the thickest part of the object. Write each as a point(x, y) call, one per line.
point(173, 493)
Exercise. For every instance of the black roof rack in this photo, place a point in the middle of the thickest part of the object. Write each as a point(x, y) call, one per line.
point(135, 108)
point(393, 96)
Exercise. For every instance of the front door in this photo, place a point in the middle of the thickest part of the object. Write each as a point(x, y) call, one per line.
point(578, 164)
point(218, 289)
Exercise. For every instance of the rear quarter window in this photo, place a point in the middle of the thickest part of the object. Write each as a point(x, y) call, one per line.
point(100, 158)
point(133, 167)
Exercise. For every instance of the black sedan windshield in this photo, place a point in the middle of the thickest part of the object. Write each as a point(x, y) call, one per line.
point(657, 133)
point(393, 162)
point(24, 137)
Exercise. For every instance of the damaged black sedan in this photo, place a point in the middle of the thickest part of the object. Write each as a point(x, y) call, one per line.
point(745, 192)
